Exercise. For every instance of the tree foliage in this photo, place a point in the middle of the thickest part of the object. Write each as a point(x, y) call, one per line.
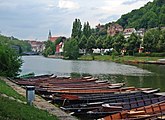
point(10, 41)
point(10, 62)
point(150, 16)
point(71, 49)
point(76, 30)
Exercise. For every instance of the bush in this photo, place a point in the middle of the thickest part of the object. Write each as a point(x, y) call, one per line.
point(10, 62)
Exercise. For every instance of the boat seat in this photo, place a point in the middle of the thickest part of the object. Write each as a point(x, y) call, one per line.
point(141, 103)
point(107, 117)
point(149, 110)
point(119, 100)
point(134, 105)
point(132, 99)
point(126, 100)
point(145, 97)
point(126, 106)
point(161, 98)
point(162, 107)
point(116, 116)
point(138, 98)
point(147, 102)
point(156, 109)
point(154, 100)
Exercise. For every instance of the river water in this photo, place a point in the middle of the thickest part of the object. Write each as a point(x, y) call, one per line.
point(140, 75)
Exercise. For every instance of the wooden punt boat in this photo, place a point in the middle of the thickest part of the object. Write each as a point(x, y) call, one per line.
point(93, 91)
point(106, 109)
point(126, 102)
point(123, 97)
point(141, 113)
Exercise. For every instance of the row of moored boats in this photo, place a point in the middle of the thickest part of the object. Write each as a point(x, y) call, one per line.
point(89, 98)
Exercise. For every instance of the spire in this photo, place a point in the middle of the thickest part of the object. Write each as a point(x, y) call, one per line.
point(49, 35)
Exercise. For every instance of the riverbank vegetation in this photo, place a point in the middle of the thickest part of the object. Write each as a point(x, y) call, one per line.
point(5, 89)
point(12, 110)
point(10, 61)
point(119, 58)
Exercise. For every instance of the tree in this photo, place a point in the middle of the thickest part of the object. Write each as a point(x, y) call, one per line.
point(150, 40)
point(10, 62)
point(99, 42)
point(107, 44)
point(90, 44)
point(118, 42)
point(87, 30)
point(49, 48)
point(71, 49)
point(161, 43)
point(83, 42)
point(133, 43)
point(76, 30)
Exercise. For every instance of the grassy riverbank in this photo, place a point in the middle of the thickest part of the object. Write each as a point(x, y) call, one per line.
point(119, 58)
point(11, 109)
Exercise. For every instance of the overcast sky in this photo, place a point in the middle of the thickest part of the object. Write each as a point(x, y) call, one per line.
point(32, 19)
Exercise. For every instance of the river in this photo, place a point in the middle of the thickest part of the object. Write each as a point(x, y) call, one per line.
point(141, 75)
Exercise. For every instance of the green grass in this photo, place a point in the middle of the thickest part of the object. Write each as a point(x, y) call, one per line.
point(119, 58)
point(12, 110)
point(5, 89)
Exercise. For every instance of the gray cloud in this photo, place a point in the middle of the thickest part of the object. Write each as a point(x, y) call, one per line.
point(129, 2)
point(32, 19)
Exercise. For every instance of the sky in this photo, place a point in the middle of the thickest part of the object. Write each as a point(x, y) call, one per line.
point(32, 19)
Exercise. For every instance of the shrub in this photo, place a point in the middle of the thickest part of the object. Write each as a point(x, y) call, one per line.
point(10, 62)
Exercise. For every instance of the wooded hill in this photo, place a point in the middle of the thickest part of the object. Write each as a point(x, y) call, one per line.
point(150, 16)
point(10, 41)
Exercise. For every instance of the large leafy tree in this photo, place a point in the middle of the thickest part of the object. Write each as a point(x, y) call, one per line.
point(87, 30)
point(107, 44)
point(82, 42)
point(10, 62)
point(133, 43)
point(151, 39)
point(90, 44)
point(161, 43)
point(118, 42)
point(76, 30)
point(71, 49)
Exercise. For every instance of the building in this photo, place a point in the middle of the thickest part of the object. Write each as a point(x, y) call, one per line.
point(140, 32)
point(114, 28)
point(127, 32)
point(59, 47)
point(37, 46)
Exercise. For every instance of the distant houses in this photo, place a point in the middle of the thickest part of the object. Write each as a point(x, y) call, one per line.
point(59, 43)
point(37, 46)
point(114, 29)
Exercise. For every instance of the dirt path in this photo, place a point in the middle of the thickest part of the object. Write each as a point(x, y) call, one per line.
point(41, 103)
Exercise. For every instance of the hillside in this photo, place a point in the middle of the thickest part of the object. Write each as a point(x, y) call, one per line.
point(10, 41)
point(150, 16)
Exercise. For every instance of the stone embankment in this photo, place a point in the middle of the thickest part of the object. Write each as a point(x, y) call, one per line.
point(40, 102)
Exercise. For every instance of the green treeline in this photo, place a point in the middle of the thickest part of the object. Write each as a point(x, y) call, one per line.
point(23, 46)
point(150, 16)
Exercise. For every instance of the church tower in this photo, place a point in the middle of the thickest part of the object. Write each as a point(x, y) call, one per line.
point(49, 35)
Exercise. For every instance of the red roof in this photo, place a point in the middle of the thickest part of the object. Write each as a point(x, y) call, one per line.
point(53, 39)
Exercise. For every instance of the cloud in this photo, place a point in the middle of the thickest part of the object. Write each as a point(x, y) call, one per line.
point(31, 19)
point(67, 4)
point(129, 2)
